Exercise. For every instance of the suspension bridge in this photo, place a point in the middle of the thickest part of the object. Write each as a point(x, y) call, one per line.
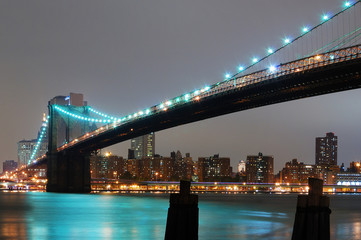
point(321, 59)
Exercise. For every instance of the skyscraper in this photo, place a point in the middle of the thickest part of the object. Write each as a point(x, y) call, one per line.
point(143, 146)
point(25, 149)
point(259, 168)
point(326, 150)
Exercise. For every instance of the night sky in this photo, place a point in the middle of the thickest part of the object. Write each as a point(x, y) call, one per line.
point(125, 56)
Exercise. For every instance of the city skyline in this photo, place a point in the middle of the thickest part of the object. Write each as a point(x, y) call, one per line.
point(122, 62)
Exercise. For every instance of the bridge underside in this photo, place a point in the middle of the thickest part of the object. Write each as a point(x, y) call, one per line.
point(323, 80)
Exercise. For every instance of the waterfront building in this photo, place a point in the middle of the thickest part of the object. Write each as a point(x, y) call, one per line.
point(155, 169)
point(349, 179)
point(9, 165)
point(183, 167)
point(326, 150)
point(132, 167)
point(298, 172)
point(214, 168)
point(143, 146)
point(259, 168)
point(107, 166)
point(115, 166)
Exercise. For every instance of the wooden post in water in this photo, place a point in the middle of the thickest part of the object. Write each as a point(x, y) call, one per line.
point(312, 220)
point(182, 221)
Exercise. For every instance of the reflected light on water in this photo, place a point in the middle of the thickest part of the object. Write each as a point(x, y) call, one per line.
point(41, 215)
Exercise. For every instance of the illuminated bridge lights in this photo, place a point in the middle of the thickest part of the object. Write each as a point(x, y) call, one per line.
point(272, 68)
point(81, 117)
point(305, 30)
point(40, 139)
point(287, 41)
point(222, 86)
point(102, 114)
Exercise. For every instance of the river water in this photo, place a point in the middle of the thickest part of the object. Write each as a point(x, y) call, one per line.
point(41, 215)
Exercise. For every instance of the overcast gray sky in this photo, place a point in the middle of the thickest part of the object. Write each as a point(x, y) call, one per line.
point(129, 55)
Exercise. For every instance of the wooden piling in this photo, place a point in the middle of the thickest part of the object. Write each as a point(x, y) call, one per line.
point(182, 221)
point(312, 220)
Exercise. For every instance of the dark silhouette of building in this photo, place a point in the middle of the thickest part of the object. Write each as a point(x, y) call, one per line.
point(131, 154)
point(214, 168)
point(259, 168)
point(326, 150)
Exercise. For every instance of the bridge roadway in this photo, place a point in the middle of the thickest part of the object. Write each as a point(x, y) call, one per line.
point(312, 76)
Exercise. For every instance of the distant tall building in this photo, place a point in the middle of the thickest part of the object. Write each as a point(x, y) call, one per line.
point(259, 168)
point(143, 146)
point(212, 168)
point(9, 165)
point(26, 147)
point(326, 150)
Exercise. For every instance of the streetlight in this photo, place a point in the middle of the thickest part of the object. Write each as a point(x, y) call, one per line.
point(156, 176)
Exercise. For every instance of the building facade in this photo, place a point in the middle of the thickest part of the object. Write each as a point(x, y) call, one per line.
point(143, 146)
point(298, 172)
point(259, 168)
point(107, 166)
point(326, 150)
point(213, 168)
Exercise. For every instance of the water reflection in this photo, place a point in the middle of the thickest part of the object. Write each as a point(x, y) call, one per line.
point(12, 219)
point(109, 216)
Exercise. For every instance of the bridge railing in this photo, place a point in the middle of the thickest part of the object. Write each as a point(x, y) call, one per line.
point(300, 65)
